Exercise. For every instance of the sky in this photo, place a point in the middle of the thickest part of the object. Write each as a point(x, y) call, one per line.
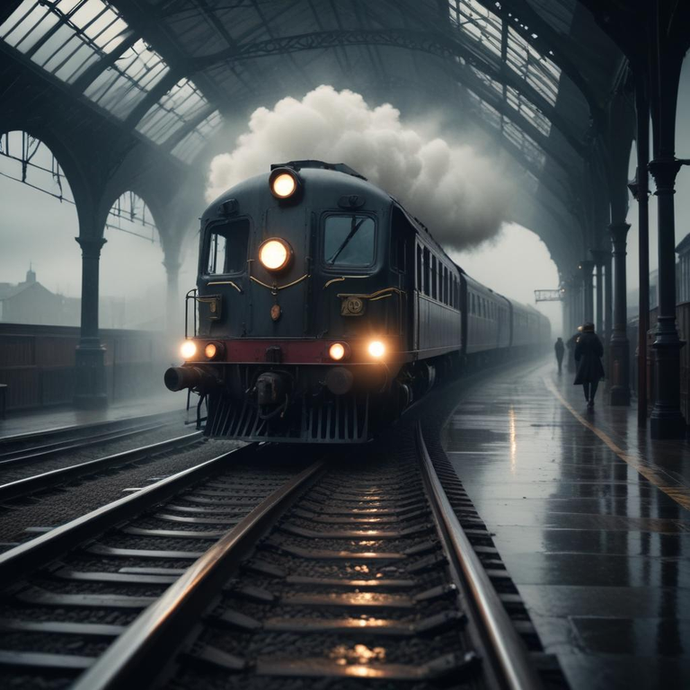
point(39, 230)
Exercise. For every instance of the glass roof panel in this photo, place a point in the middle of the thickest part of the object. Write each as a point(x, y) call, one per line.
point(27, 24)
point(485, 28)
point(188, 148)
point(181, 104)
point(65, 37)
point(538, 70)
point(120, 87)
point(528, 110)
point(478, 22)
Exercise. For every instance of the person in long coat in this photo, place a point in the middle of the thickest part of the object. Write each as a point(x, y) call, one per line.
point(590, 370)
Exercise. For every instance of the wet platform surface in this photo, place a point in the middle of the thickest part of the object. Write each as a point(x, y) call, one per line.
point(591, 520)
point(34, 421)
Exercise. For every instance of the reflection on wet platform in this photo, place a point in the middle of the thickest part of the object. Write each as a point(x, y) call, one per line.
point(597, 550)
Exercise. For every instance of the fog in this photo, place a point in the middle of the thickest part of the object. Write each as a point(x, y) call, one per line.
point(409, 159)
point(459, 193)
point(515, 263)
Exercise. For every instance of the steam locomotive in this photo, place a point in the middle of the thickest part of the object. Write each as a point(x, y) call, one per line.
point(323, 309)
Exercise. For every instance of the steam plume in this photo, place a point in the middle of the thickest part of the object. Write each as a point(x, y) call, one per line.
point(457, 193)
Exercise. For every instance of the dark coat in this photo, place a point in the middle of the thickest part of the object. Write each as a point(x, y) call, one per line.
point(559, 347)
point(588, 354)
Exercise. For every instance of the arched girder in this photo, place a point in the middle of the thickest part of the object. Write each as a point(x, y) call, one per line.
point(495, 101)
point(432, 42)
point(178, 135)
point(548, 42)
point(82, 82)
point(153, 96)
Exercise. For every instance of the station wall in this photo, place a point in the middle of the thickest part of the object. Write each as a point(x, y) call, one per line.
point(37, 363)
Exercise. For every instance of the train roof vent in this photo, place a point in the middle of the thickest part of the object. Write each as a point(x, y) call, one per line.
point(338, 167)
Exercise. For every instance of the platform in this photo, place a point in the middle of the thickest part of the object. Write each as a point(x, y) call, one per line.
point(34, 421)
point(591, 521)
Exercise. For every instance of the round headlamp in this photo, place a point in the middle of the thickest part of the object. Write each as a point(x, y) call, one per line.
point(213, 350)
point(188, 349)
point(339, 351)
point(274, 254)
point(376, 349)
point(284, 183)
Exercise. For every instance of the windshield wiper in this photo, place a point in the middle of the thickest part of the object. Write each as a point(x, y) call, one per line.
point(354, 227)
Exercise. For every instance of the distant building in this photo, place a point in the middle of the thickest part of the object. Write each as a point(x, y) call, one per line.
point(31, 302)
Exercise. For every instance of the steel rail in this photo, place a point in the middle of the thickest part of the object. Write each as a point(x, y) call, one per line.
point(46, 451)
point(509, 651)
point(53, 478)
point(136, 657)
point(56, 432)
point(25, 558)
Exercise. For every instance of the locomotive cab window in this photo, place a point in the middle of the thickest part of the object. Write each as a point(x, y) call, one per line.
point(349, 240)
point(226, 248)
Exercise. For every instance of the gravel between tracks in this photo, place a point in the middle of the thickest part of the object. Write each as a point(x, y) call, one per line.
point(81, 496)
point(14, 472)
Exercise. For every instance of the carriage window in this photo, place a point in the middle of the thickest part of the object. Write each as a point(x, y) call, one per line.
point(349, 240)
point(427, 266)
point(434, 279)
point(227, 248)
point(420, 284)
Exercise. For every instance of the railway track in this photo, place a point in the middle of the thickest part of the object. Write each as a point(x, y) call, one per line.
point(23, 449)
point(57, 477)
point(351, 571)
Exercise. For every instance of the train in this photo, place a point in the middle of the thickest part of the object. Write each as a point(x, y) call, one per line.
point(323, 310)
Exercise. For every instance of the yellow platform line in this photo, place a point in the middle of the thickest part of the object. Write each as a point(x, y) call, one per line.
point(654, 474)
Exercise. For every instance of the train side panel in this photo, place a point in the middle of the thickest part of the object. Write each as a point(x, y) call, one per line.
point(437, 302)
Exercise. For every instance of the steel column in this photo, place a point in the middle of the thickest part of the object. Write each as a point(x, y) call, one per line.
point(620, 352)
point(640, 190)
point(90, 386)
point(608, 297)
point(598, 255)
point(586, 268)
point(667, 420)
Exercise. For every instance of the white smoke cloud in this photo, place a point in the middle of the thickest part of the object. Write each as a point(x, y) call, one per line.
point(457, 193)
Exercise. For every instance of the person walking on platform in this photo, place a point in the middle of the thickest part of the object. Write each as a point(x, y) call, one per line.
point(559, 347)
point(588, 354)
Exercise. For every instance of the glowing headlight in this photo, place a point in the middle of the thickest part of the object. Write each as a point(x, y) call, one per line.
point(377, 349)
point(211, 350)
point(283, 185)
point(336, 351)
point(188, 349)
point(274, 254)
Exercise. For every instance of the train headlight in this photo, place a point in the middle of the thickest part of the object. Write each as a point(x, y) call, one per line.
point(377, 349)
point(188, 349)
point(274, 254)
point(285, 184)
point(211, 351)
point(338, 351)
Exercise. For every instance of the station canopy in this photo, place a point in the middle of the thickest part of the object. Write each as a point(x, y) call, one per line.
point(535, 75)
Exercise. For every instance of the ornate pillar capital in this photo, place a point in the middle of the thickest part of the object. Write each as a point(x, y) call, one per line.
point(91, 246)
point(619, 234)
point(664, 170)
point(600, 256)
